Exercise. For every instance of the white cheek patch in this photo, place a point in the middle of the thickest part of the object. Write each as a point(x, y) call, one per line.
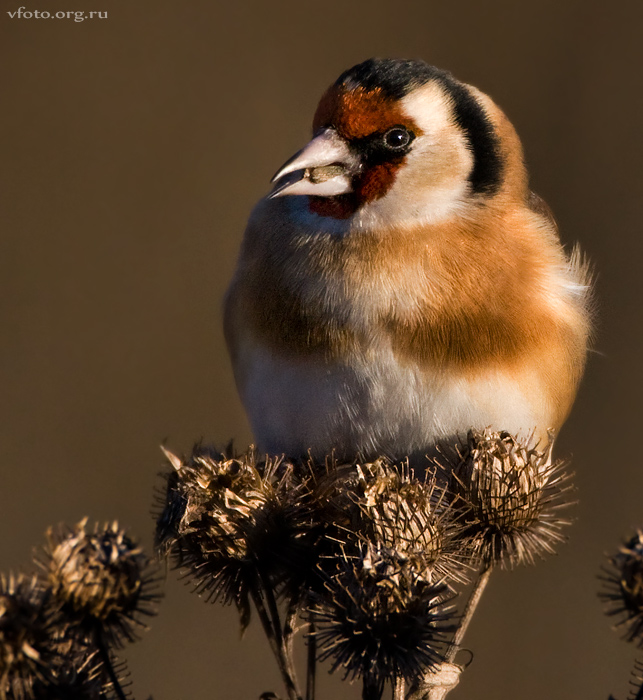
point(432, 185)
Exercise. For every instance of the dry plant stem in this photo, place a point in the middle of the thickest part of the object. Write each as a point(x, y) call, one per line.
point(283, 640)
point(472, 604)
point(371, 690)
point(399, 689)
point(312, 660)
point(107, 662)
point(289, 641)
point(437, 693)
point(272, 629)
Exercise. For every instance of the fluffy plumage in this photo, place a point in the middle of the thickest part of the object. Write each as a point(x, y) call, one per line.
point(401, 284)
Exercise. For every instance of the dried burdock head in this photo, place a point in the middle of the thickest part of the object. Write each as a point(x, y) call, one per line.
point(384, 504)
point(27, 650)
point(511, 495)
point(379, 620)
point(411, 518)
point(237, 524)
point(80, 675)
point(103, 582)
point(41, 657)
point(623, 588)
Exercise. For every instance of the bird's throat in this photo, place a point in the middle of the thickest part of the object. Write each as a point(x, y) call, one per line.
point(341, 206)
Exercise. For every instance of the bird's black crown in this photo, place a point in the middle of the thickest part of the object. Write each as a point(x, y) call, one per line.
point(396, 77)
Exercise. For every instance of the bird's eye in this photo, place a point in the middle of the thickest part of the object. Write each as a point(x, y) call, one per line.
point(397, 138)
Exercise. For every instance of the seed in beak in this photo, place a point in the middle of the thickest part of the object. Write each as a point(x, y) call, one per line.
point(323, 173)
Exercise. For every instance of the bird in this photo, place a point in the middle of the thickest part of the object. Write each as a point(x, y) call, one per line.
point(400, 284)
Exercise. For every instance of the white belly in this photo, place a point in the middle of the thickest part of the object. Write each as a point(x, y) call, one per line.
point(375, 406)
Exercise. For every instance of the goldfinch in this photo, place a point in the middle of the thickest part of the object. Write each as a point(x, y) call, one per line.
point(401, 285)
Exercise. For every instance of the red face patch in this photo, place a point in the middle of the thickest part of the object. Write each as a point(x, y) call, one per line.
point(357, 114)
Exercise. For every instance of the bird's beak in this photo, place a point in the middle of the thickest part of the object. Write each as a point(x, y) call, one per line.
point(324, 167)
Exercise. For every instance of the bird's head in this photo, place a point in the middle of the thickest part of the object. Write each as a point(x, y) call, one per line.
point(397, 140)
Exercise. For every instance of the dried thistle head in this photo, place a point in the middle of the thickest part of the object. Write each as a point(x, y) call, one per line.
point(413, 518)
point(385, 504)
point(79, 674)
point(623, 588)
point(511, 495)
point(102, 580)
point(234, 523)
point(379, 620)
point(40, 659)
point(26, 636)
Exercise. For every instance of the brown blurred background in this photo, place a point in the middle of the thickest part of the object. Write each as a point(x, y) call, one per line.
point(132, 149)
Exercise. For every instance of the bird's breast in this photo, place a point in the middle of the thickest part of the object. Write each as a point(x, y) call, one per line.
point(375, 404)
point(385, 345)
